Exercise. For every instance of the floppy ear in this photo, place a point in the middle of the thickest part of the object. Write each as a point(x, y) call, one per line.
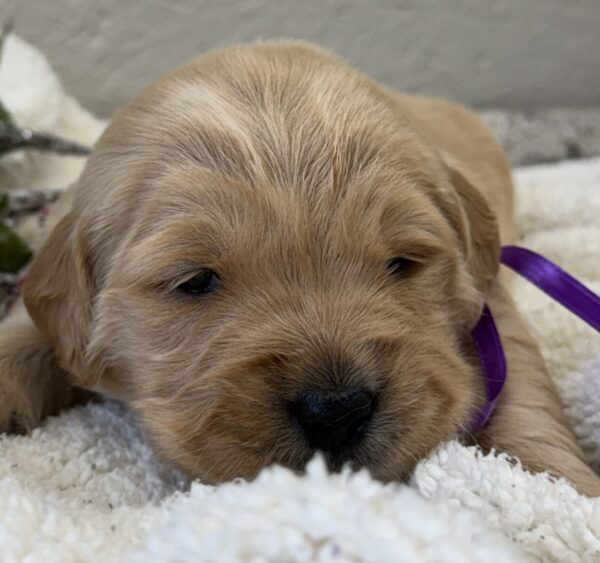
point(59, 294)
point(467, 211)
point(477, 227)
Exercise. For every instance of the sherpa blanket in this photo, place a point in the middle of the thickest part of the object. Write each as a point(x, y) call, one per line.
point(86, 487)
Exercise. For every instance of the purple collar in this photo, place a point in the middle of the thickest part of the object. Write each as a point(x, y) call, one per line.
point(553, 281)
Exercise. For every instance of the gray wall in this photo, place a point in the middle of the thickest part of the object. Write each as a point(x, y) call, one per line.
point(505, 53)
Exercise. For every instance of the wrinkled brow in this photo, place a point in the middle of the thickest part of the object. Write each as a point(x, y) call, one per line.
point(402, 218)
point(417, 232)
point(181, 248)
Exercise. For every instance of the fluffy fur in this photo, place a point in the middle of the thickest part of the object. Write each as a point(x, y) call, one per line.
point(298, 181)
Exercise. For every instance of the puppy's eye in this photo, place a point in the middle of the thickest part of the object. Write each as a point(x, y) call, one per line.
point(401, 266)
point(204, 282)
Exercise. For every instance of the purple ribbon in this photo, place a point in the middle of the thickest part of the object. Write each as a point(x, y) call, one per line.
point(493, 365)
point(553, 281)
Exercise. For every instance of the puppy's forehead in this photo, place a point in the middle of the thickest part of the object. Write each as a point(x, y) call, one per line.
point(295, 117)
point(274, 129)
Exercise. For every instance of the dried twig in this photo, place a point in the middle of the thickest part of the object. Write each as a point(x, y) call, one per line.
point(14, 138)
point(14, 252)
point(7, 281)
point(25, 201)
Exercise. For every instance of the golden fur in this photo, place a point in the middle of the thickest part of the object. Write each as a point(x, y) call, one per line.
point(297, 180)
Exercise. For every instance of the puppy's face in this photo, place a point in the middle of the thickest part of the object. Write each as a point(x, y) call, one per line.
point(265, 264)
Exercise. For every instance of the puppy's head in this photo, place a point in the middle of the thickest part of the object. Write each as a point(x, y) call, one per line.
point(263, 260)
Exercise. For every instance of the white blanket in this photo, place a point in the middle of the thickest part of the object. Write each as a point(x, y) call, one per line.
point(85, 486)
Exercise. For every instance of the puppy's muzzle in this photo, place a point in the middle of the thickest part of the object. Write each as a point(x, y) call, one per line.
point(333, 422)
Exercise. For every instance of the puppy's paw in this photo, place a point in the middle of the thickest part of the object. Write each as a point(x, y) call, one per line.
point(16, 416)
point(15, 424)
point(31, 384)
point(19, 409)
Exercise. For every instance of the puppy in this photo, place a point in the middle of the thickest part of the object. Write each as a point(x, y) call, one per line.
point(269, 254)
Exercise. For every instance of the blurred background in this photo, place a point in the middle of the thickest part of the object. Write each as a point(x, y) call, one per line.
point(517, 54)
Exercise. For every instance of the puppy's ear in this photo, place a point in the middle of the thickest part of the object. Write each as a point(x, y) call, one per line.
point(59, 294)
point(477, 227)
point(467, 211)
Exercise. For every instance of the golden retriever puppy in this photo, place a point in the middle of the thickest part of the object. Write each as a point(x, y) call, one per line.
point(269, 254)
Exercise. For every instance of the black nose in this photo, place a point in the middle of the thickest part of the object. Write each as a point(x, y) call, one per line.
point(333, 421)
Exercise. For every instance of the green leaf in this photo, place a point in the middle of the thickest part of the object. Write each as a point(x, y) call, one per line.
point(3, 205)
point(14, 253)
point(5, 117)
